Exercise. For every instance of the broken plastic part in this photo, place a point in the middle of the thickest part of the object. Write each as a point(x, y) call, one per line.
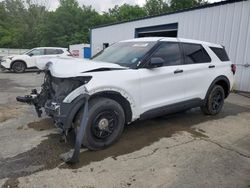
point(72, 156)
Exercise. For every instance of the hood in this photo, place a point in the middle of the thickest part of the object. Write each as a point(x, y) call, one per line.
point(73, 67)
point(14, 57)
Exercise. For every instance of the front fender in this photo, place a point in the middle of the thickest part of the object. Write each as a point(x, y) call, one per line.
point(81, 90)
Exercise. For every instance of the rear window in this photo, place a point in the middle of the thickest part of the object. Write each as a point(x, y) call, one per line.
point(221, 53)
point(195, 53)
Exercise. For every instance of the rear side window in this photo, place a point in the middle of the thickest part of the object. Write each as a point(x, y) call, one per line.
point(221, 53)
point(59, 51)
point(53, 51)
point(195, 53)
point(50, 51)
point(170, 53)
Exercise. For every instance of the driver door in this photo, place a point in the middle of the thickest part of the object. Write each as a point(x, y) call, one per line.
point(164, 85)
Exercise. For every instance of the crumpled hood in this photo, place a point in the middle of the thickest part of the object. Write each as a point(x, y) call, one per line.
point(73, 67)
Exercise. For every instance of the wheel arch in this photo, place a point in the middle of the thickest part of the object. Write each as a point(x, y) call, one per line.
point(116, 96)
point(223, 81)
point(18, 60)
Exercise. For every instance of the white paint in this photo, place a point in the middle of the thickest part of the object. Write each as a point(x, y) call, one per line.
point(32, 60)
point(227, 24)
point(145, 89)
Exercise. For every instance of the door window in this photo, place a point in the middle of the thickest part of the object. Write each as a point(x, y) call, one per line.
point(36, 52)
point(170, 53)
point(195, 53)
point(53, 51)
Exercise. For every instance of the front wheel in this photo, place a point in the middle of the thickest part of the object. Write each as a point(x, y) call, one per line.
point(214, 101)
point(105, 124)
point(18, 67)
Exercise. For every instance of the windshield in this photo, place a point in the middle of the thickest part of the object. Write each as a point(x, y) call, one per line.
point(125, 53)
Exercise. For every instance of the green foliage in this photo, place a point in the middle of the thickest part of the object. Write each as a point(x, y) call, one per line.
point(126, 12)
point(154, 7)
point(183, 4)
point(27, 24)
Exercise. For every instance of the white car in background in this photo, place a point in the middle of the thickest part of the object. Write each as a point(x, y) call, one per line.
point(28, 60)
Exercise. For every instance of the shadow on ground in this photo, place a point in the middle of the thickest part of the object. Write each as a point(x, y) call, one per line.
point(135, 137)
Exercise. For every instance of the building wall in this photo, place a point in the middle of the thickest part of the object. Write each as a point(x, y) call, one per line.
point(227, 24)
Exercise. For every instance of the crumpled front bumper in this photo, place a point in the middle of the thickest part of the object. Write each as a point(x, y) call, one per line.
point(64, 113)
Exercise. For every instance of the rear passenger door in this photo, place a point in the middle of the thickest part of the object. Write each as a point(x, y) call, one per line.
point(165, 85)
point(198, 70)
point(49, 53)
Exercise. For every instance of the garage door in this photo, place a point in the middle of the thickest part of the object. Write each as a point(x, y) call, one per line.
point(167, 30)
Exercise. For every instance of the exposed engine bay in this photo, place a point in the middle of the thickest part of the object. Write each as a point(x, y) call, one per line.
point(53, 92)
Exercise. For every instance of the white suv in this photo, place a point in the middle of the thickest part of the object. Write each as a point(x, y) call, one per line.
point(28, 60)
point(131, 80)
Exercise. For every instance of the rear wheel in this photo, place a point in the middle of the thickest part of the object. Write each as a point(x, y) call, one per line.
point(214, 101)
point(105, 124)
point(18, 67)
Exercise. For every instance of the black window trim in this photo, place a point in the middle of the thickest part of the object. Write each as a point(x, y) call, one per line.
point(184, 57)
point(158, 45)
point(223, 48)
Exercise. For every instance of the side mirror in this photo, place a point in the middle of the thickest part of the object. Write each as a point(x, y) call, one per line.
point(156, 62)
point(31, 54)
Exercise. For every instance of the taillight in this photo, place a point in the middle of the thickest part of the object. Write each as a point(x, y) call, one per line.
point(233, 68)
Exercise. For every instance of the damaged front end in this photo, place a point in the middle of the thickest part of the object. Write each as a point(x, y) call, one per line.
point(54, 99)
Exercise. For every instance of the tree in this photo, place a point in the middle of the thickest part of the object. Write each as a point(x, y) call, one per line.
point(126, 12)
point(154, 7)
point(184, 4)
point(29, 23)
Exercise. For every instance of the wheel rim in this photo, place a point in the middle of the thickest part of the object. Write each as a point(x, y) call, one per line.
point(104, 124)
point(19, 67)
point(217, 101)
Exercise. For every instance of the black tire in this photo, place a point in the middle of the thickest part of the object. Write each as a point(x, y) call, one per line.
point(214, 101)
point(18, 67)
point(102, 112)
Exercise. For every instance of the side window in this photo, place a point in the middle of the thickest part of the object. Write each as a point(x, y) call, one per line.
point(195, 53)
point(36, 52)
point(59, 51)
point(220, 53)
point(170, 53)
point(50, 51)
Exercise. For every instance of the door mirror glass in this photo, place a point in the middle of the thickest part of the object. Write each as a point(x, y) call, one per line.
point(156, 62)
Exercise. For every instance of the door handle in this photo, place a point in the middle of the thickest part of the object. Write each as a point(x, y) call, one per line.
point(211, 66)
point(178, 71)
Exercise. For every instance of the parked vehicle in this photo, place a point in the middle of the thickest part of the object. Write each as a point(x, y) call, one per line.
point(131, 80)
point(28, 60)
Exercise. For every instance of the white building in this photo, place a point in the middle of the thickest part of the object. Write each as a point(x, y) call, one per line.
point(226, 23)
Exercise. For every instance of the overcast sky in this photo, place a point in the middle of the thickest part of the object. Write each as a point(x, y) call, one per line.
point(104, 5)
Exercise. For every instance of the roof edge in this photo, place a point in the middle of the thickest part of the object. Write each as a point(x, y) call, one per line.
point(174, 12)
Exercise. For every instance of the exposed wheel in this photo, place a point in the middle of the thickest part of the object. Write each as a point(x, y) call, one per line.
point(105, 124)
point(18, 67)
point(214, 101)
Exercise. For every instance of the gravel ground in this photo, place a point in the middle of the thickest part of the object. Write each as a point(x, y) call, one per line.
point(182, 150)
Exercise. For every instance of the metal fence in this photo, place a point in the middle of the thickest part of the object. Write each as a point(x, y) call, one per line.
point(11, 51)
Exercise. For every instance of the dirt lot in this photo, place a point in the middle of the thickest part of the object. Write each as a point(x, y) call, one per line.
point(182, 150)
